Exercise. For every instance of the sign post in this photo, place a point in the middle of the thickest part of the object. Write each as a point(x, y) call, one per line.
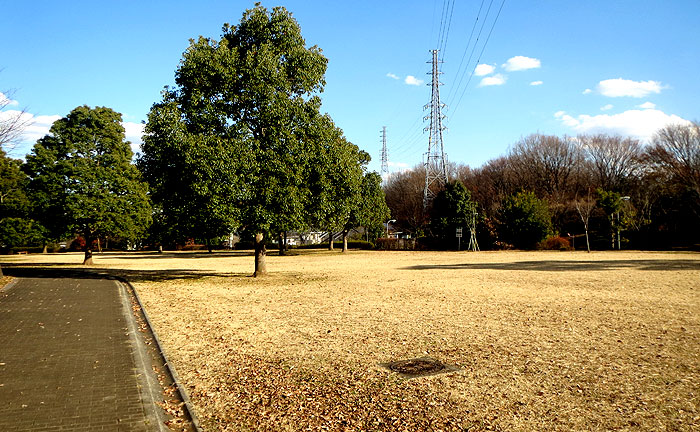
point(459, 238)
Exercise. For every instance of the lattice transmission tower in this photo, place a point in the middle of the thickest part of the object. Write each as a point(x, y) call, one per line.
point(435, 162)
point(385, 154)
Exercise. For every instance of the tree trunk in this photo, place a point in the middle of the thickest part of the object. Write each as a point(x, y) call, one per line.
point(345, 240)
point(280, 241)
point(260, 252)
point(286, 246)
point(46, 249)
point(160, 249)
point(330, 240)
point(88, 253)
point(588, 244)
point(99, 245)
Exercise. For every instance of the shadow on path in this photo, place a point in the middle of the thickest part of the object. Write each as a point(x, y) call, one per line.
point(564, 266)
point(170, 255)
point(59, 271)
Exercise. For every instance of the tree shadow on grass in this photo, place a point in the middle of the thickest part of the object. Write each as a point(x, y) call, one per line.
point(58, 271)
point(169, 255)
point(565, 266)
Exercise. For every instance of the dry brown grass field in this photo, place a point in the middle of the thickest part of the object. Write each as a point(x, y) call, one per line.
point(543, 340)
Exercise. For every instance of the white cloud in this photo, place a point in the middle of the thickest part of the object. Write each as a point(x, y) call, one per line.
point(607, 107)
point(392, 76)
point(518, 63)
point(39, 126)
point(484, 69)
point(587, 91)
point(6, 101)
point(411, 80)
point(641, 124)
point(619, 87)
point(647, 105)
point(536, 83)
point(399, 165)
point(395, 167)
point(495, 80)
point(133, 132)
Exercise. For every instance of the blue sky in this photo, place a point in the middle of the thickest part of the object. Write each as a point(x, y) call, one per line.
point(553, 67)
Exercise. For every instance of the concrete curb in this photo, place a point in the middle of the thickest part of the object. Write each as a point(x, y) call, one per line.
point(189, 408)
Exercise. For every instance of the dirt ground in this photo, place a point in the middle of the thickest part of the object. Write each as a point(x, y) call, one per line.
point(543, 340)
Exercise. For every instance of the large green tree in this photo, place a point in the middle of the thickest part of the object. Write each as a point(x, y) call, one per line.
point(369, 209)
point(247, 105)
point(524, 220)
point(452, 208)
point(16, 229)
point(191, 174)
point(83, 182)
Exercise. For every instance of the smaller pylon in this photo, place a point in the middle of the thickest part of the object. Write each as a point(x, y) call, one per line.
point(473, 245)
point(385, 153)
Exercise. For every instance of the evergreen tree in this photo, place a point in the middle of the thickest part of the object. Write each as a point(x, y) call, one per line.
point(452, 208)
point(82, 180)
point(524, 220)
point(243, 122)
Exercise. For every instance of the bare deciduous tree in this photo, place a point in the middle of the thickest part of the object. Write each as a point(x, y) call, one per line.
point(545, 163)
point(12, 121)
point(614, 159)
point(404, 196)
point(675, 151)
point(584, 207)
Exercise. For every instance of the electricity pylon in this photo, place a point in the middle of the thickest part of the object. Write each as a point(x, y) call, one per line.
point(434, 162)
point(385, 154)
point(473, 245)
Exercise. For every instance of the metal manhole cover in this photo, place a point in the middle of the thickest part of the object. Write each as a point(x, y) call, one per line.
point(418, 367)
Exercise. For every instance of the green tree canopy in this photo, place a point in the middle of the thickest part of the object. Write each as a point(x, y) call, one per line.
point(369, 207)
point(83, 182)
point(245, 111)
point(452, 208)
point(524, 220)
point(16, 227)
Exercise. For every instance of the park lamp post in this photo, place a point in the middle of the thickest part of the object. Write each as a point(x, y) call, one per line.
point(387, 226)
point(624, 198)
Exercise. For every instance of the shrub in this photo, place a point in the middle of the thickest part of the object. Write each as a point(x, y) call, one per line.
point(524, 220)
point(555, 243)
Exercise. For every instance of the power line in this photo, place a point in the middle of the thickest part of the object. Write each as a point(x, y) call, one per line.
point(446, 38)
point(471, 54)
point(479, 58)
point(466, 48)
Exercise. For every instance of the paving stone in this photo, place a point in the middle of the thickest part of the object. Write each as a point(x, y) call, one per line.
point(67, 358)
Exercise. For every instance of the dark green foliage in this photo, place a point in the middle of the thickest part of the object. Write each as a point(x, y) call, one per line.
point(16, 226)
point(82, 180)
point(369, 210)
point(192, 177)
point(452, 209)
point(19, 232)
point(240, 143)
point(13, 183)
point(524, 220)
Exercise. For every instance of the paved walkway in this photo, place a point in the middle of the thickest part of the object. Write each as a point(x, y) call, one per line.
point(69, 358)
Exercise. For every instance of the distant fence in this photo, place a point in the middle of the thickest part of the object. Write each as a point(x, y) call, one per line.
point(395, 244)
